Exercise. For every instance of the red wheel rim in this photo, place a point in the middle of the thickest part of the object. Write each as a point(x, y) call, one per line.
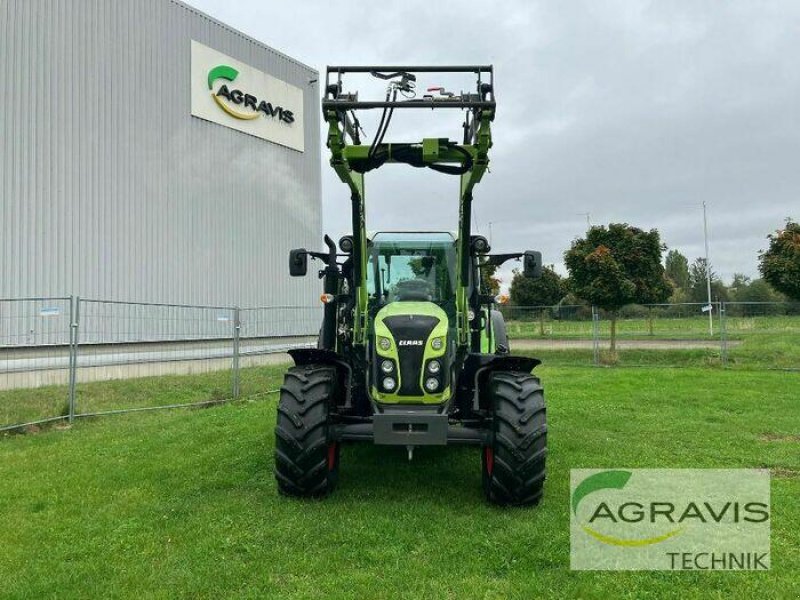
point(489, 454)
point(331, 456)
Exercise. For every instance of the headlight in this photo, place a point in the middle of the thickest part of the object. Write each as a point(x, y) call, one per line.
point(384, 343)
point(431, 383)
point(346, 244)
point(471, 315)
point(387, 366)
point(388, 383)
point(437, 343)
point(434, 366)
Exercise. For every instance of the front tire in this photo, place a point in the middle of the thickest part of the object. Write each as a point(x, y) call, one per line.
point(306, 458)
point(501, 345)
point(514, 460)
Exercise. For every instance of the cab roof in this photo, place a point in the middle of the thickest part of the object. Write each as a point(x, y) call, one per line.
point(412, 236)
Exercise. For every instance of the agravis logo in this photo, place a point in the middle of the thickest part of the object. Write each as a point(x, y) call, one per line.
point(670, 518)
point(236, 97)
point(630, 512)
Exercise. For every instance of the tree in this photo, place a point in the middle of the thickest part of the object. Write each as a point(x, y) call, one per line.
point(548, 290)
point(698, 286)
point(617, 265)
point(780, 263)
point(739, 284)
point(757, 290)
point(677, 269)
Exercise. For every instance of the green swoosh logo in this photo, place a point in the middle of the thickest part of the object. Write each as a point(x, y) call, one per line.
point(615, 480)
point(221, 72)
point(599, 481)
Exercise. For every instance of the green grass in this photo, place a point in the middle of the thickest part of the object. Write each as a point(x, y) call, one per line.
point(26, 405)
point(183, 503)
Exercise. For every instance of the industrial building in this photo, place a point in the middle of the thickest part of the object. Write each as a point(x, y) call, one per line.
point(150, 153)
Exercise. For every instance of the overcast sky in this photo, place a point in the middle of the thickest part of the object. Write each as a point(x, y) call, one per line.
point(630, 111)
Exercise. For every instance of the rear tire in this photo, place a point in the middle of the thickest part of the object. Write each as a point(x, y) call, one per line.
point(514, 460)
point(306, 458)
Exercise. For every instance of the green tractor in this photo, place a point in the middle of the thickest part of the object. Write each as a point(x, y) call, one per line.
point(411, 351)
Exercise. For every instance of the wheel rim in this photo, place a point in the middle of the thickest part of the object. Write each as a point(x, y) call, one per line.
point(332, 456)
point(489, 455)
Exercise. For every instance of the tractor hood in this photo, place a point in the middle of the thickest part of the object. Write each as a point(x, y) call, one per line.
point(411, 335)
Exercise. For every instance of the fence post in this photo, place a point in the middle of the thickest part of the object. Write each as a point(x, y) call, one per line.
point(723, 334)
point(74, 320)
point(237, 326)
point(595, 336)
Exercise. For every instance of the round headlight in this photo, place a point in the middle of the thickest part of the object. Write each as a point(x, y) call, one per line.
point(480, 244)
point(384, 343)
point(387, 366)
point(471, 315)
point(434, 366)
point(346, 244)
point(388, 383)
point(437, 343)
point(431, 383)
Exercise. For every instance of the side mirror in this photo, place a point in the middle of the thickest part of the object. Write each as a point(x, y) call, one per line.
point(532, 264)
point(298, 262)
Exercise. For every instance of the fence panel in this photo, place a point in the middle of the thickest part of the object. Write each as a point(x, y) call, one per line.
point(763, 335)
point(560, 335)
point(34, 359)
point(688, 334)
point(265, 335)
point(149, 355)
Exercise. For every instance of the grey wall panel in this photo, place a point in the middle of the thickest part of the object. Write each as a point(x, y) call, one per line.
point(111, 189)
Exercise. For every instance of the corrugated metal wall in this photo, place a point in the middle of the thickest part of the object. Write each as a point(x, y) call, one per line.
point(111, 189)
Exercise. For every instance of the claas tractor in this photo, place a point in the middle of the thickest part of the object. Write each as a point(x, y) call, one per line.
point(412, 351)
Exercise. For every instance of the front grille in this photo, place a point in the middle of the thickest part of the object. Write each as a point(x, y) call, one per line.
point(410, 328)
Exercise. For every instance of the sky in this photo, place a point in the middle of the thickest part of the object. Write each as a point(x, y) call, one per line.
point(625, 111)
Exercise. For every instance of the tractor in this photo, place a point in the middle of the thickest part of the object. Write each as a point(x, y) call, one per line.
point(412, 351)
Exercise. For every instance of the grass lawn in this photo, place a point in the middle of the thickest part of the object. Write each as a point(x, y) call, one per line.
point(183, 503)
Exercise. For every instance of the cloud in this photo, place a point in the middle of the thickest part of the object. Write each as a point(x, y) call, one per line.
point(629, 111)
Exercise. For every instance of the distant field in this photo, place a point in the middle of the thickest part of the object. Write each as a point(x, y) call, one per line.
point(183, 503)
point(677, 328)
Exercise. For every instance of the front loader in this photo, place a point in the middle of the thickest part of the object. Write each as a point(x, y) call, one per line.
point(411, 351)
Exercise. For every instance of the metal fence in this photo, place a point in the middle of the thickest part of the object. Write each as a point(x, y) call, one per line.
point(754, 334)
point(69, 357)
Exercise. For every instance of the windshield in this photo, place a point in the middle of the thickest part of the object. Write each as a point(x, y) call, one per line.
point(412, 267)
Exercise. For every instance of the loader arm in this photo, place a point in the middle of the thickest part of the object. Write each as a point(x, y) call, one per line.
point(351, 161)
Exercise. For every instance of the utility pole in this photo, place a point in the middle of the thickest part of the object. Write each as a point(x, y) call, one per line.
point(708, 273)
point(588, 220)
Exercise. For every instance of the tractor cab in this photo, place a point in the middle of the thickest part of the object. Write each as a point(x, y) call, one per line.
point(411, 285)
point(412, 267)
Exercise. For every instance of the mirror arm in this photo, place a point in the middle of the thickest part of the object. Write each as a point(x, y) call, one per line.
point(498, 259)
